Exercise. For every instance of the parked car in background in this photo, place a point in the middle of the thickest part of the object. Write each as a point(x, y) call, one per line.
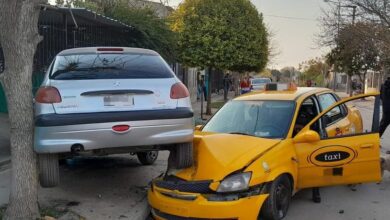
point(103, 101)
point(259, 83)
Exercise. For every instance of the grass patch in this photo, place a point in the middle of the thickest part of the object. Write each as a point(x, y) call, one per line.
point(217, 105)
point(53, 212)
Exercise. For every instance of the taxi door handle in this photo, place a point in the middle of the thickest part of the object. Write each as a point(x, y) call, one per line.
point(367, 146)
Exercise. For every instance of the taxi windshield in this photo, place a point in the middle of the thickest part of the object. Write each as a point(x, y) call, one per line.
point(265, 119)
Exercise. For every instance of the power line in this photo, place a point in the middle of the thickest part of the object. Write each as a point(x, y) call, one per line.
point(291, 18)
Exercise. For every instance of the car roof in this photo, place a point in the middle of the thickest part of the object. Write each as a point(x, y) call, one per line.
point(93, 50)
point(282, 95)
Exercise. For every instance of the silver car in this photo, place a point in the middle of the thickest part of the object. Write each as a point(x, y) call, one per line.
point(259, 83)
point(104, 101)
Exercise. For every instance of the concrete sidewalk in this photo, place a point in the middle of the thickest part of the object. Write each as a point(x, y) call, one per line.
point(5, 156)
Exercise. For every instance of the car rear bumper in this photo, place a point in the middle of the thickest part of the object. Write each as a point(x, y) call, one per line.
point(50, 137)
point(50, 120)
point(164, 207)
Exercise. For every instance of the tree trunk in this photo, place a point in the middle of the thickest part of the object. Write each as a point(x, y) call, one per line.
point(208, 108)
point(19, 38)
point(349, 86)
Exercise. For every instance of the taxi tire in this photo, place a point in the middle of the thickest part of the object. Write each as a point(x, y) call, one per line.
point(181, 156)
point(147, 158)
point(269, 210)
point(49, 170)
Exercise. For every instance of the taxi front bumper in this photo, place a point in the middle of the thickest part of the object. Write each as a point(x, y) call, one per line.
point(169, 205)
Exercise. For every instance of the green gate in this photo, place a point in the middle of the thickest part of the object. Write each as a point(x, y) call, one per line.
point(36, 80)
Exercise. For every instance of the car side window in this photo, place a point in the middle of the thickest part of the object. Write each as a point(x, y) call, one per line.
point(327, 100)
point(307, 112)
point(362, 116)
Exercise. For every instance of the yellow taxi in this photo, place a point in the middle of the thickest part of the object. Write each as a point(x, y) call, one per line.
point(259, 149)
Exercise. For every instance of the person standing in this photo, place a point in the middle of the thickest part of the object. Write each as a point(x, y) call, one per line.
point(385, 97)
point(204, 88)
point(245, 85)
point(226, 86)
point(199, 85)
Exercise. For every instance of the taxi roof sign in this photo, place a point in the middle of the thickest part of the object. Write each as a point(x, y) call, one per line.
point(280, 87)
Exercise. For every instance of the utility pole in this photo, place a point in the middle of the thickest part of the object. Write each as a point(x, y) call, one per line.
point(339, 6)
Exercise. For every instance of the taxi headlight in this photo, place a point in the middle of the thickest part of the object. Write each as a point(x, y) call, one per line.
point(235, 183)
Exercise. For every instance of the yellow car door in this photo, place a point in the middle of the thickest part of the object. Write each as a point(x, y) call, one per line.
point(325, 159)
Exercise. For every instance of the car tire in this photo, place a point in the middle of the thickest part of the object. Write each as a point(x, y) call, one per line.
point(181, 156)
point(49, 171)
point(147, 158)
point(278, 201)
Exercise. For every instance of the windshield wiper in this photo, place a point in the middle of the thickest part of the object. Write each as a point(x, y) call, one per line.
point(240, 133)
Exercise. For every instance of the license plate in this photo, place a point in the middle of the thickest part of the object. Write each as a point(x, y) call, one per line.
point(118, 101)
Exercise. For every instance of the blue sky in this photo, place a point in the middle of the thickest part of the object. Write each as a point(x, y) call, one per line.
point(295, 38)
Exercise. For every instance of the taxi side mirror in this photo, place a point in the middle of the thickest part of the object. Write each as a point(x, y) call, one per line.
point(198, 127)
point(308, 136)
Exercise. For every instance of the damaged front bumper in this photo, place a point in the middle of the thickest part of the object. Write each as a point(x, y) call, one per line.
point(173, 204)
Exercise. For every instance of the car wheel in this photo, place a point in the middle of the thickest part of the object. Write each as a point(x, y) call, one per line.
point(49, 171)
point(181, 156)
point(278, 201)
point(147, 158)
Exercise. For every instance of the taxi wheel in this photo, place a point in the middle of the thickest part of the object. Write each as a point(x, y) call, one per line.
point(276, 205)
point(147, 158)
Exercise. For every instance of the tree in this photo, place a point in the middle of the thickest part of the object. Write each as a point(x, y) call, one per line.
point(276, 74)
point(19, 38)
point(315, 70)
point(151, 31)
point(266, 73)
point(155, 32)
point(355, 53)
point(220, 34)
point(288, 73)
point(374, 13)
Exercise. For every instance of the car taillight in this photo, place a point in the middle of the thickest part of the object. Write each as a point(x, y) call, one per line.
point(179, 91)
point(48, 95)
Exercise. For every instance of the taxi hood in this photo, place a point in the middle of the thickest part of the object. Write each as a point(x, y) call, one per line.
point(218, 155)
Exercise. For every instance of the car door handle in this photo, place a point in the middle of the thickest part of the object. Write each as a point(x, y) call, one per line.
point(366, 146)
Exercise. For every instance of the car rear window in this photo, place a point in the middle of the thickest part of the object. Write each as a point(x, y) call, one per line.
point(260, 81)
point(110, 66)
